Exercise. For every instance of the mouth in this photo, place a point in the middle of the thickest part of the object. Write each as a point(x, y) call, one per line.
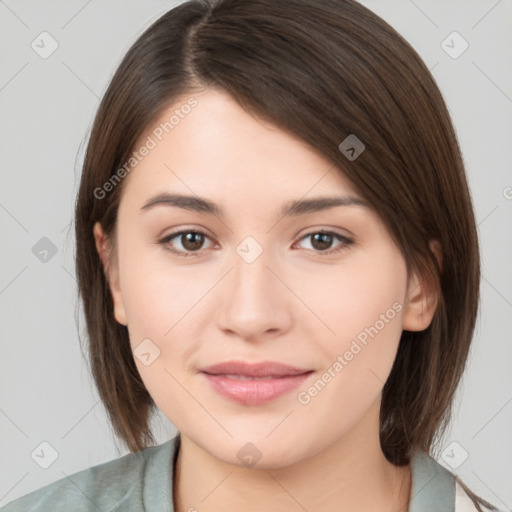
point(254, 384)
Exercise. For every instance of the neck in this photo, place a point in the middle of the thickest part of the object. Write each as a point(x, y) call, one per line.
point(352, 474)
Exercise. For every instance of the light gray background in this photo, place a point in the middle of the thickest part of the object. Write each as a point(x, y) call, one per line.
point(47, 106)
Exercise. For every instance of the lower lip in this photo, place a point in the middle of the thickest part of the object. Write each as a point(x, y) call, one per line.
point(257, 391)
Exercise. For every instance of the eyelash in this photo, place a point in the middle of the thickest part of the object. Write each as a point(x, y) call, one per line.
point(165, 242)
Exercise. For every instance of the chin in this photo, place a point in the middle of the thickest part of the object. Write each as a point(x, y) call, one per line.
point(259, 452)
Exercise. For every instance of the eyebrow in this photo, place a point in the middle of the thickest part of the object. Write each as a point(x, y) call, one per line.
point(291, 208)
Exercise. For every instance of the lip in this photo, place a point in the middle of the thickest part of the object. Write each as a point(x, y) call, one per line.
point(254, 383)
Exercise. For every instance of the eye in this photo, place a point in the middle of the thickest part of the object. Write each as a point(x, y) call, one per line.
point(321, 241)
point(190, 240)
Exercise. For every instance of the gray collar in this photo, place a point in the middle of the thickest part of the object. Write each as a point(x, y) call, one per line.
point(432, 486)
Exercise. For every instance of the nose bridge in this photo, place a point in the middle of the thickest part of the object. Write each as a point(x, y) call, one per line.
point(254, 300)
point(251, 258)
point(251, 272)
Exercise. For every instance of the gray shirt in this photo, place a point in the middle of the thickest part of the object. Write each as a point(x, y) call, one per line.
point(142, 481)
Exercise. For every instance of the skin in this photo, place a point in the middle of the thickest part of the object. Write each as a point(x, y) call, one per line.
point(293, 304)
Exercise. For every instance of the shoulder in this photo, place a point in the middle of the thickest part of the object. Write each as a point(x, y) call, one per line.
point(463, 503)
point(114, 485)
point(434, 486)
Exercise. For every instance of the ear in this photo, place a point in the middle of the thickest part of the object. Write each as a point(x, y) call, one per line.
point(111, 274)
point(422, 297)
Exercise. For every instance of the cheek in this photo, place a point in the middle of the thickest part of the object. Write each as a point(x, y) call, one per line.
point(364, 295)
point(362, 304)
point(164, 304)
point(163, 322)
point(158, 295)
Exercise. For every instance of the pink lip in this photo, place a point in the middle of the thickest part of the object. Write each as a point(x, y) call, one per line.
point(257, 390)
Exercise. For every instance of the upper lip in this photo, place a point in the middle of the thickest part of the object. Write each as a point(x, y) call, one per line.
point(262, 369)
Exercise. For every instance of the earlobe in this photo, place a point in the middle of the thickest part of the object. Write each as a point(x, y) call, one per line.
point(111, 274)
point(422, 297)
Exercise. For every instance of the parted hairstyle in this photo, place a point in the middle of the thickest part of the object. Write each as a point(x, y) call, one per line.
point(321, 70)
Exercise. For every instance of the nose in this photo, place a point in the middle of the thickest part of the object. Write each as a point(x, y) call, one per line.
point(254, 302)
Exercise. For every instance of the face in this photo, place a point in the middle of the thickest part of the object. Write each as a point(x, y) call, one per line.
point(323, 290)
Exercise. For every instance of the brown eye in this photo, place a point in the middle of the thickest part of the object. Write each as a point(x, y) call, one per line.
point(190, 242)
point(321, 241)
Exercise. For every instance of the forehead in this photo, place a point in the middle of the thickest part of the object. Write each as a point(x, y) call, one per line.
point(218, 150)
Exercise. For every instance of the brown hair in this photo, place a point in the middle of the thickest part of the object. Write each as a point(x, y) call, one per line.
point(322, 71)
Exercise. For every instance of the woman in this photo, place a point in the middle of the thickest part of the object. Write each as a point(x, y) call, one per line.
point(276, 247)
